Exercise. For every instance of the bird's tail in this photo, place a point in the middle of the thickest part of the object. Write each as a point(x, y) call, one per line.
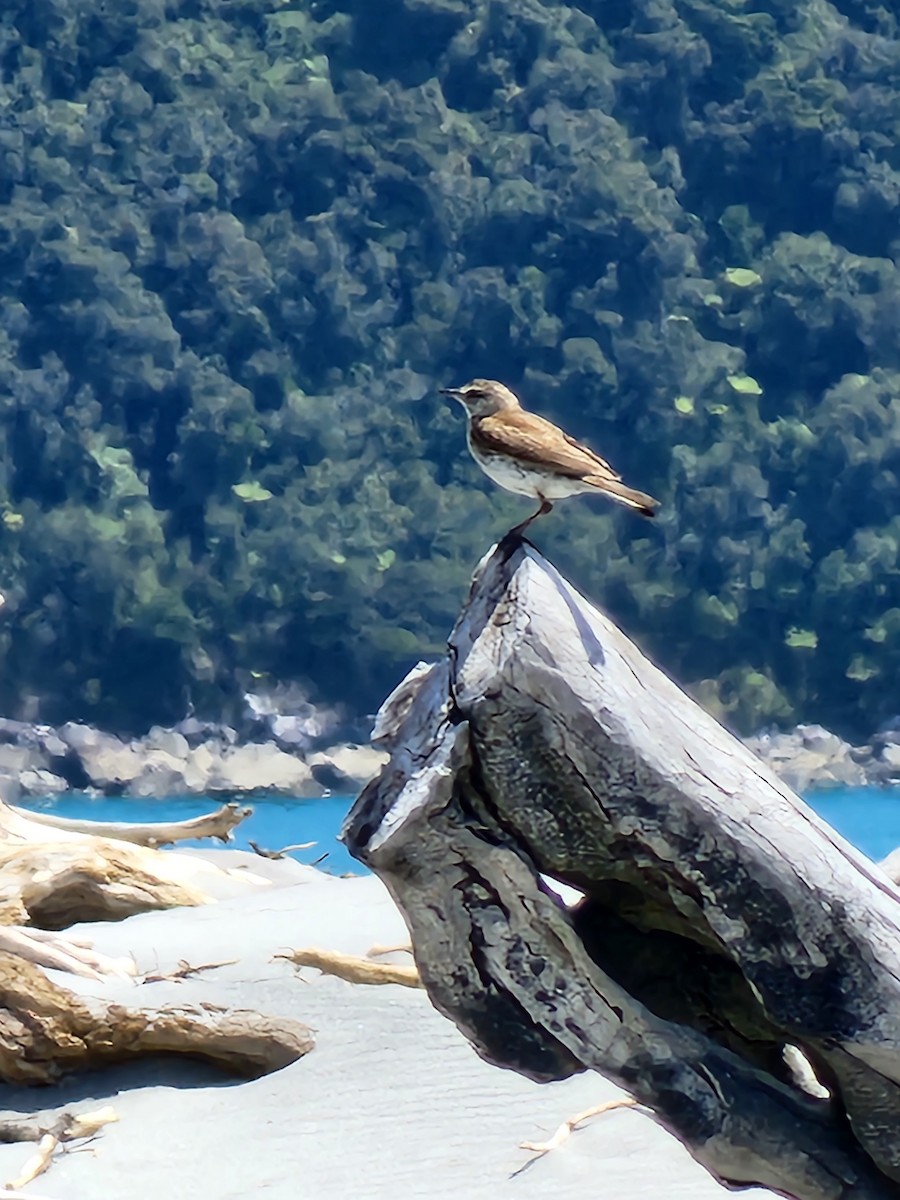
point(644, 504)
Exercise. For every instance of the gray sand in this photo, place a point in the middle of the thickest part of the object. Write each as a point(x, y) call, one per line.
point(392, 1102)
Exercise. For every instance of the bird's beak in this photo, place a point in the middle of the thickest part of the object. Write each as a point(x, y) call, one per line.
point(453, 393)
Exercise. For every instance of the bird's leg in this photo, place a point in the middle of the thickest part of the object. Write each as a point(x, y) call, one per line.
point(518, 530)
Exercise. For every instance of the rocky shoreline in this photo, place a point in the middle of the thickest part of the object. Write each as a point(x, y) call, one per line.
point(201, 759)
point(811, 756)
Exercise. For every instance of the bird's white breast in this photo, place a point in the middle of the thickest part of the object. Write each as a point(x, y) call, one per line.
point(527, 480)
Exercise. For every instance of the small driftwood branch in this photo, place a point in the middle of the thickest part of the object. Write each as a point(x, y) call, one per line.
point(46, 1031)
point(50, 950)
point(568, 1127)
point(65, 1127)
point(721, 920)
point(378, 951)
point(36, 1163)
point(184, 970)
point(353, 969)
point(283, 852)
point(218, 824)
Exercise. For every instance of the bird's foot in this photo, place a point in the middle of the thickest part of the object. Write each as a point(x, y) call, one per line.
point(518, 530)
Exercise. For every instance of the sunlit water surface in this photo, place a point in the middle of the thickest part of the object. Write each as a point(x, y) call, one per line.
point(867, 817)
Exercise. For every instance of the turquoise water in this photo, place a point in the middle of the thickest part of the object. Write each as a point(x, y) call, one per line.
point(867, 817)
point(276, 821)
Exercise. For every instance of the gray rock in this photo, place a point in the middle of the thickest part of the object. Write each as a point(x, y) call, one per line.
point(14, 731)
point(812, 756)
point(77, 736)
point(196, 732)
point(285, 713)
point(884, 765)
point(810, 770)
point(291, 732)
point(10, 789)
point(816, 737)
point(348, 767)
point(167, 740)
point(42, 783)
point(110, 764)
point(14, 759)
point(53, 745)
point(890, 756)
point(163, 774)
point(261, 767)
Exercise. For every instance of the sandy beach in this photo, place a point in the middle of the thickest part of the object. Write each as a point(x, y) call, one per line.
point(392, 1102)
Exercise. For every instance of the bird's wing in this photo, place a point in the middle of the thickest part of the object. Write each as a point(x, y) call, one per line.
point(539, 441)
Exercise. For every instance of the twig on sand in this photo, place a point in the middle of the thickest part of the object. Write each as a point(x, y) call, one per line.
point(353, 968)
point(67, 1127)
point(184, 970)
point(283, 852)
point(566, 1129)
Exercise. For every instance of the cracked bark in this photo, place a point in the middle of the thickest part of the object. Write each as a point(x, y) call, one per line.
point(721, 920)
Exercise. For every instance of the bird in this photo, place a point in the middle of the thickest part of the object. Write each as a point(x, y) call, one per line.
point(529, 455)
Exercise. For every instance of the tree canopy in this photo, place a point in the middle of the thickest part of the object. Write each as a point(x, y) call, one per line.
point(244, 241)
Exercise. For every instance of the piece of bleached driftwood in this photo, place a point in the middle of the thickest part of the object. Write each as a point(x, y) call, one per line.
point(46, 949)
point(63, 1124)
point(46, 1031)
point(283, 852)
point(218, 824)
point(722, 921)
point(55, 884)
point(352, 968)
point(53, 877)
point(568, 1127)
point(50, 1135)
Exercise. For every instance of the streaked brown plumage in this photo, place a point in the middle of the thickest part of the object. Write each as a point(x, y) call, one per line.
point(528, 454)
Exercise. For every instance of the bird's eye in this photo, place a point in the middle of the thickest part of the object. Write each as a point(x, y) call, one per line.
point(474, 394)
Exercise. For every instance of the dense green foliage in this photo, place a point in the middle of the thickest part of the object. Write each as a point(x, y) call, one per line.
point(242, 241)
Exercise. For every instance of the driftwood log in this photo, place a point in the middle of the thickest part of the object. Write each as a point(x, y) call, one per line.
point(218, 824)
point(724, 931)
point(47, 1031)
point(55, 872)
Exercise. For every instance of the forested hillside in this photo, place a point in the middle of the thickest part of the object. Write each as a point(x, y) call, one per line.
point(243, 241)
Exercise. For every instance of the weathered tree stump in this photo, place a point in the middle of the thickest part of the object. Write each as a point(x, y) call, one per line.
point(721, 921)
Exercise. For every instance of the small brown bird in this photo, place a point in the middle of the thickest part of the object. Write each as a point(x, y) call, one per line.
point(529, 455)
